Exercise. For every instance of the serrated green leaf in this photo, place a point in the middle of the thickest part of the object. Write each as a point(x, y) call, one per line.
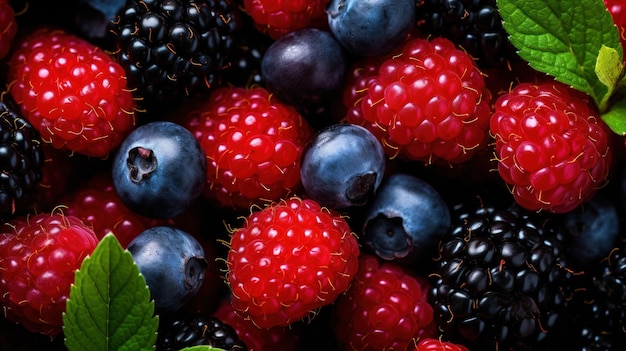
point(109, 306)
point(615, 118)
point(563, 38)
point(200, 348)
point(609, 69)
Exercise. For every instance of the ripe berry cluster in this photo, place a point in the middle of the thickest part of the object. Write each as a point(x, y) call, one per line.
point(297, 175)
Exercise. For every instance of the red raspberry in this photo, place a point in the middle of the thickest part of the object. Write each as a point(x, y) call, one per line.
point(8, 27)
point(38, 258)
point(289, 259)
point(552, 147)
point(72, 92)
point(59, 175)
point(427, 102)
point(617, 8)
point(98, 205)
point(278, 338)
point(386, 308)
point(253, 144)
point(279, 17)
point(431, 344)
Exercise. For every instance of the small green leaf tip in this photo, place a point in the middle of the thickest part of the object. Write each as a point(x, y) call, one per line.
point(563, 38)
point(615, 118)
point(109, 306)
point(201, 348)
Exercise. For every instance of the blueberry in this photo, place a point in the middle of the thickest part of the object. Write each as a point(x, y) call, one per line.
point(342, 166)
point(370, 27)
point(406, 219)
point(159, 170)
point(594, 230)
point(173, 264)
point(305, 69)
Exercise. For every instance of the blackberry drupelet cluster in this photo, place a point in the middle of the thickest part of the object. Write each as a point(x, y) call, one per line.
point(171, 47)
point(600, 309)
point(474, 25)
point(186, 330)
point(500, 279)
point(22, 159)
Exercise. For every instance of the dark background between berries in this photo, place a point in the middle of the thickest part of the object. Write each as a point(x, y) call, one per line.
point(473, 181)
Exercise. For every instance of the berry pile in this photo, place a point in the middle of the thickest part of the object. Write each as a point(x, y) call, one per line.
point(343, 175)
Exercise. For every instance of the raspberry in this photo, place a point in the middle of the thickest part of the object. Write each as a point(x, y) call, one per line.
point(427, 102)
point(38, 258)
point(617, 8)
point(8, 27)
point(552, 147)
point(253, 145)
point(279, 17)
point(278, 338)
point(431, 344)
point(385, 308)
point(289, 259)
point(72, 92)
point(98, 205)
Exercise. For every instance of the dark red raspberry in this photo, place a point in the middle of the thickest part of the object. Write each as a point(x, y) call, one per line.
point(617, 8)
point(278, 338)
point(552, 148)
point(72, 92)
point(253, 143)
point(38, 258)
point(289, 259)
point(431, 344)
point(427, 102)
point(385, 308)
point(277, 17)
point(8, 27)
point(98, 205)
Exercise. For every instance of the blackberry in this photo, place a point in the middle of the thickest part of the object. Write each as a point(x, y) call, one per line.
point(169, 48)
point(500, 279)
point(21, 160)
point(474, 25)
point(599, 310)
point(185, 330)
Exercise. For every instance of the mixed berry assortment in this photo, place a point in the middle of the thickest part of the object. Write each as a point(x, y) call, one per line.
point(302, 175)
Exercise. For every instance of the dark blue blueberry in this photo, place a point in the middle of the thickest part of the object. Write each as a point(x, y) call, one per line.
point(370, 27)
point(305, 69)
point(342, 166)
point(173, 264)
point(406, 219)
point(159, 170)
point(594, 229)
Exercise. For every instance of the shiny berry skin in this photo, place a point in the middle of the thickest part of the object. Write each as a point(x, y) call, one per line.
point(277, 18)
point(159, 170)
point(552, 147)
point(289, 259)
point(385, 308)
point(427, 102)
point(370, 27)
point(431, 344)
point(38, 257)
point(342, 166)
point(253, 144)
point(173, 264)
point(72, 92)
point(8, 27)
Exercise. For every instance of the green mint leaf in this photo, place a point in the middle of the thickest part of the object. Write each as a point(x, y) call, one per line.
point(563, 38)
point(109, 306)
point(200, 348)
point(609, 70)
point(615, 118)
